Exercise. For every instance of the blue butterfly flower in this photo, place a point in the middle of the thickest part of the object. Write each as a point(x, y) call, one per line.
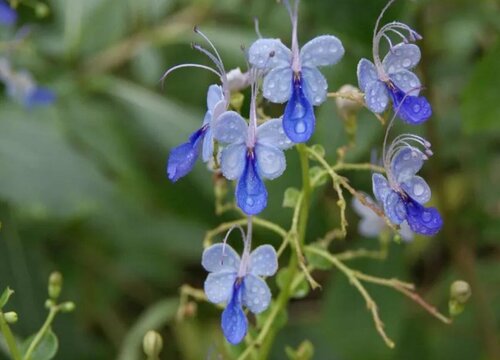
point(293, 76)
point(250, 157)
point(372, 225)
point(237, 282)
point(8, 16)
point(23, 88)
point(183, 157)
point(403, 193)
point(392, 79)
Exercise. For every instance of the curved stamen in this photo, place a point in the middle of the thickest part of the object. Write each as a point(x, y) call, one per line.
point(198, 31)
point(388, 41)
point(172, 69)
point(243, 237)
point(210, 56)
point(245, 258)
point(257, 28)
point(405, 39)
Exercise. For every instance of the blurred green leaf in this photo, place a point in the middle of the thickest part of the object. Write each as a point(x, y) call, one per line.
point(46, 348)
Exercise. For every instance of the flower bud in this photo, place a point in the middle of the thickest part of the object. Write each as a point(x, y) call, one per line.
point(460, 292)
point(55, 285)
point(152, 344)
point(68, 306)
point(349, 101)
point(10, 317)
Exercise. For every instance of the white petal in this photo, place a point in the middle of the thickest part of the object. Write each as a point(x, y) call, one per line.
point(315, 85)
point(220, 257)
point(232, 161)
point(270, 161)
point(271, 133)
point(230, 128)
point(219, 286)
point(366, 73)
point(256, 295)
point(401, 56)
point(277, 86)
point(321, 51)
point(263, 261)
point(269, 53)
point(406, 81)
point(376, 96)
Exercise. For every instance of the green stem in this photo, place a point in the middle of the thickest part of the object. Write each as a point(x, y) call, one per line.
point(9, 338)
point(41, 333)
point(283, 298)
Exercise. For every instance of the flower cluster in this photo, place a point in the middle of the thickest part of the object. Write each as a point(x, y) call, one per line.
point(250, 151)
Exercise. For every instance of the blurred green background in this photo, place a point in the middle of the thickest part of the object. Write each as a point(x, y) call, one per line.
point(83, 186)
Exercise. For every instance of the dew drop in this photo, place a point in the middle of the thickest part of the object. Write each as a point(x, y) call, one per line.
point(256, 301)
point(250, 201)
point(426, 216)
point(271, 84)
point(406, 62)
point(416, 108)
point(300, 127)
point(418, 189)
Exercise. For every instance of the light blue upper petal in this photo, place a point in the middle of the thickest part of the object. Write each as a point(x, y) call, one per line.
point(381, 187)
point(263, 261)
point(407, 81)
point(271, 162)
point(394, 208)
point(402, 56)
point(406, 163)
point(230, 128)
point(271, 133)
point(277, 86)
point(269, 53)
point(214, 95)
point(315, 85)
point(418, 189)
point(219, 286)
point(208, 145)
point(322, 51)
point(376, 96)
point(233, 160)
point(220, 257)
point(366, 73)
point(256, 295)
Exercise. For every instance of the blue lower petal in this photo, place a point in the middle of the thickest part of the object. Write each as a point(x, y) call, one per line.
point(8, 16)
point(234, 323)
point(413, 110)
point(183, 157)
point(422, 220)
point(298, 119)
point(251, 193)
point(39, 96)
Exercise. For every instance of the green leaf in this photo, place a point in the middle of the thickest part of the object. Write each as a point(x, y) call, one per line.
point(4, 298)
point(291, 197)
point(305, 351)
point(317, 175)
point(480, 110)
point(46, 348)
point(317, 261)
point(301, 290)
point(318, 149)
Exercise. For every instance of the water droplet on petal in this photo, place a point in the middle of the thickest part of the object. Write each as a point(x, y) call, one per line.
point(418, 189)
point(406, 62)
point(300, 127)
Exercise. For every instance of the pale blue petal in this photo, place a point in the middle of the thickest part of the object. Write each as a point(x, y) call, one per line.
point(232, 161)
point(418, 189)
point(269, 53)
point(256, 294)
point(402, 56)
point(406, 81)
point(263, 261)
point(220, 257)
point(406, 163)
point(322, 51)
point(208, 145)
point(376, 96)
point(405, 232)
point(371, 227)
point(381, 187)
point(219, 109)
point(230, 128)
point(207, 118)
point(219, 286)
point(394, 208)
point(271, 133)
point(271, 161)
point(214, 95)
point(315, 85)
point(277, 86)
point(366, 74)
point(234, 323)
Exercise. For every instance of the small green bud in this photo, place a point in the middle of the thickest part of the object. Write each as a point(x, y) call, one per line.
point(41, 10)
point(68, 306)
point(49, 303)
point(291, 197)
point(236, 100)
point(460, 292)
point(55, 285)
point(11, 317)
point(4, 298)
point(152, 344)
point(318, 149)
point(314, 175)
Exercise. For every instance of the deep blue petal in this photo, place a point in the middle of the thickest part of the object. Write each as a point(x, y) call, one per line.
point(298, 119)
point(8, 16)
point(251, 193)
point(422, 220)
point(413, 110)
point(234, 322)
point(183, 157)
point(39, 96)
